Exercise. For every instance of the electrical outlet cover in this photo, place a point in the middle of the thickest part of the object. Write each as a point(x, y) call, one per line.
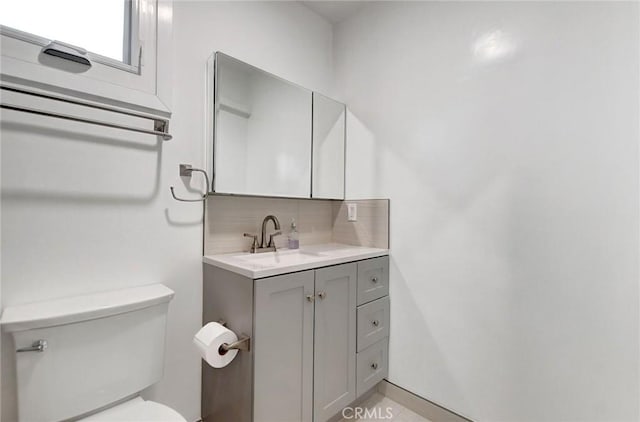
point(352, 212)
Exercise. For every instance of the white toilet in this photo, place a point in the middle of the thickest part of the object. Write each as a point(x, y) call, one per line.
point(88, 357)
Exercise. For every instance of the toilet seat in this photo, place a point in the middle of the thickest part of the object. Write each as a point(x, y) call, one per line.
point(137, 410)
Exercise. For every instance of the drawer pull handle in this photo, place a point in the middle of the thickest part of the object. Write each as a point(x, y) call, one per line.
point(374, 366)
point(375, 322)
point(322, 295)
point(374, 279)
point(310, 298)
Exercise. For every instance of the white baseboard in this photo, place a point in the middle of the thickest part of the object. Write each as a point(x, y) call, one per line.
point(421, 406)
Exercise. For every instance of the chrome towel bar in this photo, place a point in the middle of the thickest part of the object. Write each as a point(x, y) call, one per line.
point(160, 125)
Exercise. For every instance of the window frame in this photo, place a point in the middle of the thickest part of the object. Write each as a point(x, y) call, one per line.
point(28, 37)
point(143, 85)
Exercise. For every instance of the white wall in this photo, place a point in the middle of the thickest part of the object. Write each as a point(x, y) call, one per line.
point(87, 209)
point(506, 135)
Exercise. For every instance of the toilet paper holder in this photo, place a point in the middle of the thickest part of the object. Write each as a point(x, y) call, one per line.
point(243, 343)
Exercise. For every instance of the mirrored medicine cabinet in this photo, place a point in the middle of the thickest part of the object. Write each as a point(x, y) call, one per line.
point(270, 137)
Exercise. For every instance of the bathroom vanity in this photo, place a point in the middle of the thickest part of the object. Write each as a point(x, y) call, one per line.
point(318, 319)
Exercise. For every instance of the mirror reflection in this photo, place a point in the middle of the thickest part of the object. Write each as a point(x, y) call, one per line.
point(262, 132)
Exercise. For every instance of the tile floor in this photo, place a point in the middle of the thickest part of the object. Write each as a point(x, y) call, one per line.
point(381, 408)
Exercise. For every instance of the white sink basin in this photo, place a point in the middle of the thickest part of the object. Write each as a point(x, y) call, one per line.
point(283, 257)
point(267, 264)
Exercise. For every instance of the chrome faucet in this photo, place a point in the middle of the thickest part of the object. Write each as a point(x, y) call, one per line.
point(276, 226)
point(271, 245)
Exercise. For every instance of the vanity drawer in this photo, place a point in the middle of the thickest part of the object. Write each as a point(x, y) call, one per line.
point(372, 366)
point(373, 322)
point(373, 279)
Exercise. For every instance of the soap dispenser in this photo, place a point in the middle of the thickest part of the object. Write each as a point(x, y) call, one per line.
point(294, 242)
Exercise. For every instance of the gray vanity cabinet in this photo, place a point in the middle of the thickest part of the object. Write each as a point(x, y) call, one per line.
point(372, 360)
point(334, 374)
point(283, 348)
point(300, 371)
point(313, 348)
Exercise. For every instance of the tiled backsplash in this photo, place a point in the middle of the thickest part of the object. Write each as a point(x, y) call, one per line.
point(228, 217)
point(372, 227)
point(318, 221)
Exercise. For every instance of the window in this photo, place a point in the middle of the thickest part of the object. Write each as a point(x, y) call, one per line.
point(102, 27)
point(122, 39)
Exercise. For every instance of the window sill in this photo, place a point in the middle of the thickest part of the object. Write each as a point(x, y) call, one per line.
point(20, 73)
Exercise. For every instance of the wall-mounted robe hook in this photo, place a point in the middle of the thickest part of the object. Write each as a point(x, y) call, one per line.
point(187, 170)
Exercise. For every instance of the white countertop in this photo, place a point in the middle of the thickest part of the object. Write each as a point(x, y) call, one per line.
point(267, 264)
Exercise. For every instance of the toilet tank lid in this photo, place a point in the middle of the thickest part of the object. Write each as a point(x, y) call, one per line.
point(82, 308)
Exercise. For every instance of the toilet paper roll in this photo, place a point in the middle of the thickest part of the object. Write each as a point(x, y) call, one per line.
point(208, 341)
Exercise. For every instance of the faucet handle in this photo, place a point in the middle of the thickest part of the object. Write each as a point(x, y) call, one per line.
point(254, 245)
point(271, 236)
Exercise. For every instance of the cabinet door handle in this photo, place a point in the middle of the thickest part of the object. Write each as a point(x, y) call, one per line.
point(310, 298)
point(374, 366)
point(374, 279)
point(375, 322)
point(322, 295)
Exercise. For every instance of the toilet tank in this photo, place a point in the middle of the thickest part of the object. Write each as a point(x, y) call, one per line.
point(101, 348)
